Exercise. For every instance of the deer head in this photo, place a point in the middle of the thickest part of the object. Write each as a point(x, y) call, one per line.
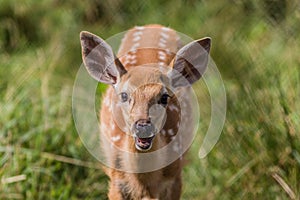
point(142, 93)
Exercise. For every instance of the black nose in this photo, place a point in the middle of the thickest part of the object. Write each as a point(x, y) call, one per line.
point(142, 123)
point(144, 128)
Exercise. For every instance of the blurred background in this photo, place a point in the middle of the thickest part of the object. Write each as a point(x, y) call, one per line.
point(256, 47)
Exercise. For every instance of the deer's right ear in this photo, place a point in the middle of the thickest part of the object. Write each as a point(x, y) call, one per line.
point(99, 59)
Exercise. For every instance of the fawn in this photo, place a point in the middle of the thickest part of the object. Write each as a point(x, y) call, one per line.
point(146, 73)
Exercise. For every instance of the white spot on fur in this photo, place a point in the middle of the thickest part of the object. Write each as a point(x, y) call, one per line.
point(162, 40)
point(135, 46)
point(137, 33)
point(173, 107)
point(130, 58)
point(161, 53)
point(171, 132)
point(140, 28)
point(162, 57)
point(136, 38)
point(116, 138)
point(162, 45)
point(165, 29)
point(163, 132)
point(168, 51)
point(164, 35)
point(176, 147)
point(162, 63)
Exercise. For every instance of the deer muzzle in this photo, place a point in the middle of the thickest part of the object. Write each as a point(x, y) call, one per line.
point(143, 132)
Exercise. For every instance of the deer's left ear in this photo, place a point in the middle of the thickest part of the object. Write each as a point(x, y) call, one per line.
point(99, 59)
point(190, 63)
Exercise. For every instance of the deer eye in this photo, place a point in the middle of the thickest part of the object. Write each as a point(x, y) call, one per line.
point(124, 96)
point(164, 99)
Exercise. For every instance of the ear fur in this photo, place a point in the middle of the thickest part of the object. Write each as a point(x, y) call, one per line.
point(190, 63)
point(99, 59)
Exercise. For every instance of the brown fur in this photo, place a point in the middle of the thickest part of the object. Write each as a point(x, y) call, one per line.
point(139, 107)
point(160, 184)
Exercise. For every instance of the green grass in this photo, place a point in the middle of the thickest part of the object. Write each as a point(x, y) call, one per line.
point(255, 46)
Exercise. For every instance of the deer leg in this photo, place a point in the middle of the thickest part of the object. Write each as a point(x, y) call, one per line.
point(118, 191)
point(176, 189)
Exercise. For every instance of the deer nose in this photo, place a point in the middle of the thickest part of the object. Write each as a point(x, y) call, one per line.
point(144, 128)
point(142, 123)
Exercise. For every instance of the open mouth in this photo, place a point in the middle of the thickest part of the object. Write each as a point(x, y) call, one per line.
point(143, 144)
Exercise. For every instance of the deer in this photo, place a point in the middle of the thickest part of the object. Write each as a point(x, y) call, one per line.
point(141, 112)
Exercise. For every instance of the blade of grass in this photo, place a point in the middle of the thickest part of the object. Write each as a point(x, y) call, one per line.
point(13, 179)
point(284, 185)
point(241, 172)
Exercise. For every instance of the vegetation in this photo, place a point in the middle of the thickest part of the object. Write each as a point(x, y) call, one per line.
point(255, 46)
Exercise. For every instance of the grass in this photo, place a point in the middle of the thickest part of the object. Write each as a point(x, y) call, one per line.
point(255, 46)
